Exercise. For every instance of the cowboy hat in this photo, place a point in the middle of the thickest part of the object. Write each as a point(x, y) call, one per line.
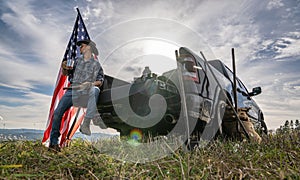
point(90, 43)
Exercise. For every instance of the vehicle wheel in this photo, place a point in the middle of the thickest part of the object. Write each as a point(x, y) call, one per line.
point(262, 127)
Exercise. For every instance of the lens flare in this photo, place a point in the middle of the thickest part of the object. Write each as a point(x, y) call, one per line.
point(136, 134)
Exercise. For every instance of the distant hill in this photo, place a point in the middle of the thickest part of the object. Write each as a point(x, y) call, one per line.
point(34, 134)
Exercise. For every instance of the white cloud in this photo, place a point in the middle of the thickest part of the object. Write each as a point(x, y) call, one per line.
point(280, 48)
point(37, 63)
point(274, 4)
point(33, 111)
point(44, 44)
point(291, 49)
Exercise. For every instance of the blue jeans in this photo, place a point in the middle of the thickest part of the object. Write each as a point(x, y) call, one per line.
point(65, 103)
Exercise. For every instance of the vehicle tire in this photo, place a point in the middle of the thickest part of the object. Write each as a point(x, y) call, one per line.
point(261, 126)
point(264, 126)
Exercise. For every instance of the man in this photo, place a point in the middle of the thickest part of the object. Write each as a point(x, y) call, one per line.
point(86, 77)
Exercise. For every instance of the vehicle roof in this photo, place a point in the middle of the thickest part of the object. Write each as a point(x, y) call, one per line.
point(220, 66)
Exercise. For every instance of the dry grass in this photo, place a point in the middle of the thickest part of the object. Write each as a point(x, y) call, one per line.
point(276, 158)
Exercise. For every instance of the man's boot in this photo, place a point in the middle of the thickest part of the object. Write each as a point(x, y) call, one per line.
point(85, 127)
point(97, 121)
point(54, 148)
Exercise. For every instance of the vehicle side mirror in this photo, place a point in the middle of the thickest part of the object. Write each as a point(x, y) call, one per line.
point(255, 91)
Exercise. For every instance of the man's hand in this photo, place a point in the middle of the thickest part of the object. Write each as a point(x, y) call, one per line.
point(98, 83)
point(85, 85)
point(65, 69)
point(64, 66)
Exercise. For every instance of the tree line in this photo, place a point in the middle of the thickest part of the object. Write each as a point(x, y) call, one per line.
point(289, 125)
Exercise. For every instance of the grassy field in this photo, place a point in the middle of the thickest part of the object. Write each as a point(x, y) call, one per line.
point(278, 157)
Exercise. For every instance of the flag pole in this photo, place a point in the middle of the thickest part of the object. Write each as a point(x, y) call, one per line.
point(183, 99)
point(73, 124)
point(234, 81)
point(240, 123)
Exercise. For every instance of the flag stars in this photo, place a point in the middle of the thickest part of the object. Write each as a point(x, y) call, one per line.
point(79, 33)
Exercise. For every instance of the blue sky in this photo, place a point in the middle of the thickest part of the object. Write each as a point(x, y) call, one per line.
point(34, 35)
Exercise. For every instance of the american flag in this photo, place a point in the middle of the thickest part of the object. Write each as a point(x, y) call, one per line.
point(79, 33)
